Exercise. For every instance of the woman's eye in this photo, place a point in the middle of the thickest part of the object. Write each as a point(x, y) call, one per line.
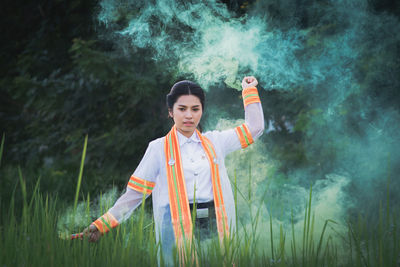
point(181, 109)
point(195, 109)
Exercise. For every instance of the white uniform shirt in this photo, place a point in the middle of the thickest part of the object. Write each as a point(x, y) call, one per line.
point(195, 167)
point(196, 171)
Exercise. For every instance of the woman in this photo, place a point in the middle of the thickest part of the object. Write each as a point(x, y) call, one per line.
point(184, 164)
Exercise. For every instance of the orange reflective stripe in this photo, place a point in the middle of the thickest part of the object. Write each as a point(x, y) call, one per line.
point(171, 193)
point(248, 134)
point(105, 223)
point(179, 203)
point(250, 96)
point(139, 189)
point(249, 91)
point(244, 135)
point(220, 213)
point(222, 209)
point(141, 185)
point(251, 100)
point(183, 199)
point(241, 137)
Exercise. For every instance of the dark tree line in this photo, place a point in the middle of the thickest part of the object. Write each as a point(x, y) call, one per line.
point(62, 79)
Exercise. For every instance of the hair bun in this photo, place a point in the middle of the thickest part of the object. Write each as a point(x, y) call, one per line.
point(185, 87)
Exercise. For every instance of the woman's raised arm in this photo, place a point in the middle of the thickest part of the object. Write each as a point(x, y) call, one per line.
point(253, 112)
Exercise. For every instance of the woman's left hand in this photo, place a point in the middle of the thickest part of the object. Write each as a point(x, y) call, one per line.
point(92, 233)
point(249, 81)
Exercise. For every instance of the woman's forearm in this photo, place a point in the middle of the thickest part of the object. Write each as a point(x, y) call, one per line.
point(126, 204)
point(254, 118)
point(121, 210)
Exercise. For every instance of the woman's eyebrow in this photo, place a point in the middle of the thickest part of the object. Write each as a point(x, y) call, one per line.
point(194, 106)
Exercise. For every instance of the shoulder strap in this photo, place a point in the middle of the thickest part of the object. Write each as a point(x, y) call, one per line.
point(178, 200)
point(220, 212)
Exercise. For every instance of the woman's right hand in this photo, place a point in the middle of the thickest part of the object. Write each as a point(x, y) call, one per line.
point(92, 233)
point(249, 81)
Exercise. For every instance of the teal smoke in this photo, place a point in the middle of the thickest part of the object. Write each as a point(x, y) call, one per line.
point(344, 59)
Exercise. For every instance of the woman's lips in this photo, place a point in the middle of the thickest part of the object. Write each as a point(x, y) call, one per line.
point(188, 123)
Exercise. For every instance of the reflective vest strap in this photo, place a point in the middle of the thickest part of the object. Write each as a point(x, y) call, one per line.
point(179, 204)
point(220, 212)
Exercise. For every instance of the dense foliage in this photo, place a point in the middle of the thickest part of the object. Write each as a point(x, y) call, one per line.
point(63, 75)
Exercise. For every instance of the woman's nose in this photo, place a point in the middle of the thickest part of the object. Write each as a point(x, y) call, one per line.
point(188, 114)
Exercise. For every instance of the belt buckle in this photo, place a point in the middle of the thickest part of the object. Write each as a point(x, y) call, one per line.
point(202, 213)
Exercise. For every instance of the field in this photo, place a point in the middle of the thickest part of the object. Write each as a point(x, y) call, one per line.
point(30, 236)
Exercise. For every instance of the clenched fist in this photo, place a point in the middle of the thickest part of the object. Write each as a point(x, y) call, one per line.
point(249, 81)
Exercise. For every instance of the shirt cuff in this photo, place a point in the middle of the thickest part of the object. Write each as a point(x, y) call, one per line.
point(105, 223)
point(250, 96)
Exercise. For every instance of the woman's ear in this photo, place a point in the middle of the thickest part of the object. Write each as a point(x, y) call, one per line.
point(170, 114)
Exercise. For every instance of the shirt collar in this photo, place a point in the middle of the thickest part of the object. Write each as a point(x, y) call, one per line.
point(183, 139)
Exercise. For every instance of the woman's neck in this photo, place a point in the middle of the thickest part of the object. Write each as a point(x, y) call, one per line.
point(187, 134)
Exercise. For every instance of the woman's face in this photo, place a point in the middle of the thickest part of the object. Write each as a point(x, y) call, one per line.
point(186, 112)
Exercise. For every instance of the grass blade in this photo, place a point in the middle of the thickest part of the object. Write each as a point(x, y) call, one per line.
point(2, 147)
point(78, 186)
point(272, 236)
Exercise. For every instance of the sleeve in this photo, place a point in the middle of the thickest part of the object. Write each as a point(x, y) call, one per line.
point(140, 186)
point(244, 135)
point(253, 112)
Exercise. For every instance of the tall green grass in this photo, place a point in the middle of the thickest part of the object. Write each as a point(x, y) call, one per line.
point(30, 237)
point(78, 186)
point(2, 147)
point(33, 240)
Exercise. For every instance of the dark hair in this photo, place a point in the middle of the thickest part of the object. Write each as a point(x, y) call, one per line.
point(185, 88)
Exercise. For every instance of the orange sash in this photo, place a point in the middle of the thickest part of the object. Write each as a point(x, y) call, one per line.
point(179, 203)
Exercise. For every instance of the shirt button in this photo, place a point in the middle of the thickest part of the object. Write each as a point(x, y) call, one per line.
point(196, 173)
point(192, 160)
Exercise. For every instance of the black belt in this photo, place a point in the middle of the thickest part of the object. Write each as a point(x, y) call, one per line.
point(204, 209)
point(205, 223)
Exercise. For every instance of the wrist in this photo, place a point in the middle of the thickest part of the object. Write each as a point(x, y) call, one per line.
point(250, 96)
point(105, 223)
